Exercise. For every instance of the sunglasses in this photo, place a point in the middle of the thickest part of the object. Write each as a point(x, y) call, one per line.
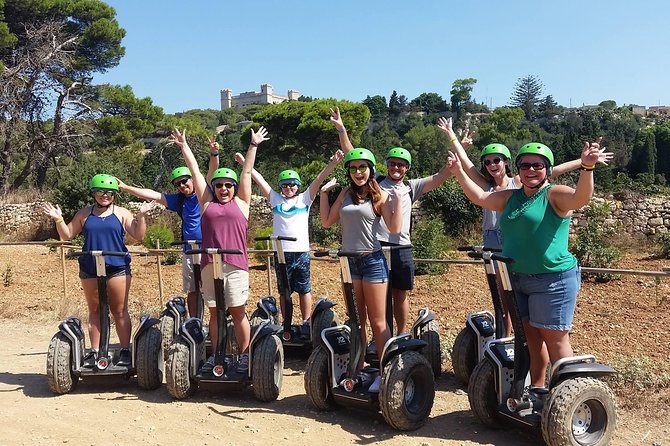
point(488, 162)
point(360, 169)
point(226, 185)
point(288, 185)
point(535, 166)
point(180, 182)
point(100, 193)
point(395, 165)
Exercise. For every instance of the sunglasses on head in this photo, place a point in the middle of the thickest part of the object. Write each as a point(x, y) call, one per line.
point(100, 193)
point(180, 182)
point(535, 166)
point(396, 165)
point(227, 185)
point(360, 169)
point(288, 185)
point(488, 162)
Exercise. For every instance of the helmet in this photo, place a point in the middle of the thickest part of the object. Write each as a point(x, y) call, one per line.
point(496, 149)
point(360, 153)
point(535, 148)
point(286, 176)
point(180, 172)
point(399, 152)
point(224, 172)
point(103, 181)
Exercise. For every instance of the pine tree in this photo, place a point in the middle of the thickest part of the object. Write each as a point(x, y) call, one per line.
point(527, 95)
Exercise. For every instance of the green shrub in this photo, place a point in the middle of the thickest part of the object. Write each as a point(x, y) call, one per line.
point(325, 237)
point(663, 247)
point(262, 244)
point(450, 203)
point(429, 242)
point(158, 232)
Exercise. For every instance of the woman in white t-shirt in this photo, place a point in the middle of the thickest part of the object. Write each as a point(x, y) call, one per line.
point(290, 218)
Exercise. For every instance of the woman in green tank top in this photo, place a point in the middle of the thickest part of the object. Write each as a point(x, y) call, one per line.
point(535, 224)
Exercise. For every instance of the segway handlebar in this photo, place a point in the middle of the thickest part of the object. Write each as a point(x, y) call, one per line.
point(212, 251)
point(396, 247)
point(185, 242)
point(338, 253)
point(478, 248)
point(487, 255)
point(100, 253)
point(276, 237)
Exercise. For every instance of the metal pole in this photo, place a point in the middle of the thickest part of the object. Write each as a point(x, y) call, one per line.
point(267, 246)
point(62, 266)
point(160, 275)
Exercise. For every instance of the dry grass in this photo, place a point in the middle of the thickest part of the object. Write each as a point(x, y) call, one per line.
point(21, 196)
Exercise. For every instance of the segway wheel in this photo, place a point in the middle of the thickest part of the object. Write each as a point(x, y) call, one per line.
point(180, 384)
point(167, 333)
point(59, 369)
point(407, 392)
point(579, 411)
point(433, 351)
point(482, 395)
point(464, 355)
point(267, 368)
point(317, 380)
point(148, 355)
point(320, 321)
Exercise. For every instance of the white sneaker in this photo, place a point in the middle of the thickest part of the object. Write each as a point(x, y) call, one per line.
point(376, 384)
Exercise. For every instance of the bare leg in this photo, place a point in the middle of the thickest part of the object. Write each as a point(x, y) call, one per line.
point(242, 327)
point(558, 344)
point(363, 316)
point(306, 306)
point(118, 288)
point(90, 287)
point(192, 303)
point(375, 301)
point(539, 358)
point(400, 309)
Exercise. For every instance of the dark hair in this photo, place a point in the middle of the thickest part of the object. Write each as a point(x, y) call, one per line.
point(370, 189)
point(487, 174)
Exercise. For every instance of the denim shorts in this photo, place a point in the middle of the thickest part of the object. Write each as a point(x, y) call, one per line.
point(493, 238)
point(369, 267)
point(548, 300)
point(402, 268)
point(110, 271)
point(297, 267)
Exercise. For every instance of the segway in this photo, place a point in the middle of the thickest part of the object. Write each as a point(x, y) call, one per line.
point(480, 326)
point(576, 408)
point(332, 377)
point(65, 357)
point(292, 335)
point(187, 353)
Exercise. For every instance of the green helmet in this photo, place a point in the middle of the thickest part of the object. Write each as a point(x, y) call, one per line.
point(103, 181)
point(224, 172)
point(180, 172)
point(399, 152)
point(289, 176)
point(496, 149)
point(360, 153)
point(535, 148)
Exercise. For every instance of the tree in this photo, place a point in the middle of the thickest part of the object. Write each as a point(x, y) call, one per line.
point(460, 92)
point(548, 107)
point(429, 103)
point(379, 111)
point(643, 159)
point(526, 96)
point(608, 105)
point(397, 104)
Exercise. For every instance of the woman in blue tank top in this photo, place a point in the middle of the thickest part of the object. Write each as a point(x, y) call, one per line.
point(104, 226)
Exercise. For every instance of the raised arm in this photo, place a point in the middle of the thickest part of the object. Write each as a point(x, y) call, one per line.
point(213, 158)
point(336, 119)
point(137, 226)
point(325, 172)
point(495, 201)
point(256, 177)
point(199, 183)
point(330, 214)
point(604, 157)
point(143, 193)
point(244, 192)
point(565, 199)
point(445, 125)
point(66, 231)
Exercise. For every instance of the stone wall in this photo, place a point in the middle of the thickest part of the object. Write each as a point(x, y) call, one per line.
point(646, 216)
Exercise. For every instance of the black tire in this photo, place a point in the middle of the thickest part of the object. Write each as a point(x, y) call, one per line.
point(324, 319)
point(180, 385)
point(579, 411)
point(407, 391)
point(482, 395)
point(59, 365)
point(267, 368)
point(430, 333)
point(464, 355)
point(147, 358)
point(317, 380)
point(167, 333)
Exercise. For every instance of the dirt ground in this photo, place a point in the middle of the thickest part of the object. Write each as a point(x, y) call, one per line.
point(623, 318)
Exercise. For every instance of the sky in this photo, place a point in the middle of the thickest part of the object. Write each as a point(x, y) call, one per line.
point(182, 54)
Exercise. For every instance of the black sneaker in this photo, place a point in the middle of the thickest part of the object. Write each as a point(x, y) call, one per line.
point(208, 366)
point(125, 359)
point(90, 359)
point(243, 364)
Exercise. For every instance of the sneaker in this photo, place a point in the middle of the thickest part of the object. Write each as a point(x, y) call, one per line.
point(243, 365)
point(125, 359)
point(90, 359)
point(208, 366)
point(376, 384)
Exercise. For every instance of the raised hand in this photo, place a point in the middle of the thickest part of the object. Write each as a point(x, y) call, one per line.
point(51, 210)
point(239, 158)
point(147, 206)
point(453, 163)
point(177, 137)
point(330, 185)
point(336, 118)
point(337, 157)
point(445, 124)
point(213, 145)
point(259, 136)
point(467, 137)
point(591, 152)
point(604, 157)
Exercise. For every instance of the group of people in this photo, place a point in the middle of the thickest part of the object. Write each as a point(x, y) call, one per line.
point(525, 215)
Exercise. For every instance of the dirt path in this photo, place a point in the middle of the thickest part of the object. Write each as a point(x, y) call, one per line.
point(123, 414)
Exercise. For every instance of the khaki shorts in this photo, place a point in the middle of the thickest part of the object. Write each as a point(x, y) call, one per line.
point(235, 285)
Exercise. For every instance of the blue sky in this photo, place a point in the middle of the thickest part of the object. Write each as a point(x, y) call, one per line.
point(181, 54)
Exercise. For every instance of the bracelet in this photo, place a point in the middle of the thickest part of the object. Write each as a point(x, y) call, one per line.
point(253, 144)
point(59, 221)
point(452, 139)
point(214, 153)
point(342, 130)
point(584, 167)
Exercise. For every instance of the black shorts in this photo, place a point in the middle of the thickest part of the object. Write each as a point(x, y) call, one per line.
point(111, 271)
point(402, 267)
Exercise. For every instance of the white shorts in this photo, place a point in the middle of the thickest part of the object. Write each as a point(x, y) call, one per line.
point(235, 285)
point(187, 279)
